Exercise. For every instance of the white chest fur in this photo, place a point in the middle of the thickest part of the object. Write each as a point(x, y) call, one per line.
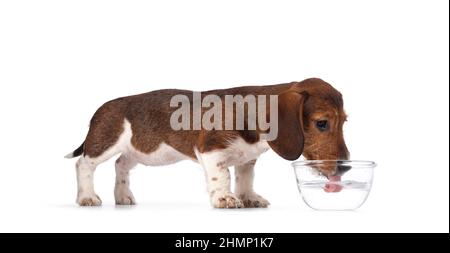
point(237, 153)
point(241, 152)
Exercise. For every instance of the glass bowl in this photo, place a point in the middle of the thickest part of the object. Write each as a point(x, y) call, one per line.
point(334, 184)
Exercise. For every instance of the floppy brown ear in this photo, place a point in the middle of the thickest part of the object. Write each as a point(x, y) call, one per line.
point(289, 142)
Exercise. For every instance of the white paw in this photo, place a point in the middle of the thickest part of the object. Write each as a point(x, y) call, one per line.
point(253, 200)
point(89, 200)
point(226, 200)
point(124, 197)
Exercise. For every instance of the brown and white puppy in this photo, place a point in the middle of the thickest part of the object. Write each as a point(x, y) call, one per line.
point(310, 120)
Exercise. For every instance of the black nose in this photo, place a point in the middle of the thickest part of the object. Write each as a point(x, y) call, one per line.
point(341, 169)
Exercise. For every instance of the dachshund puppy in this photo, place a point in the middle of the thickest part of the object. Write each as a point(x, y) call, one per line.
point(309, 118)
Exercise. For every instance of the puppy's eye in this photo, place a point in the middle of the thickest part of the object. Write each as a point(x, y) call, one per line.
point(322, 125)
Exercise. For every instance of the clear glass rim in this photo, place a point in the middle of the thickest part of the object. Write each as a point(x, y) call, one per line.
point(356, 164)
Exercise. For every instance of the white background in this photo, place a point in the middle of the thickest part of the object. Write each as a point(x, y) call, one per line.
point(60, 60)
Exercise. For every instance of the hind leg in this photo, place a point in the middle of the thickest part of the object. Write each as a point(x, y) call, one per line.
point(122, 192)
point(109, 134)
point(85, 179)
point(85, 176)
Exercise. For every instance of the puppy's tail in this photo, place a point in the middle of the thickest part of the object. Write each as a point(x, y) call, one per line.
point(77, 152)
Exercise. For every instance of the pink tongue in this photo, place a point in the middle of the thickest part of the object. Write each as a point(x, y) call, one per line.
point(333, 184)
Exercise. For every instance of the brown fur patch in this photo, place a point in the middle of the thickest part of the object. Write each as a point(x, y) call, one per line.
point(105, 127)
point(221, 164)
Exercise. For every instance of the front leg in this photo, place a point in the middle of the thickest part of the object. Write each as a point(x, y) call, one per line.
point(244, 186)
point(218, 182)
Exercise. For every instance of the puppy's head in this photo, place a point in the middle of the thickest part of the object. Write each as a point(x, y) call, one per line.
point(310, 122)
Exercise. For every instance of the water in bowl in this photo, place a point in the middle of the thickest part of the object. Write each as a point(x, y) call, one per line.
point(352, 195)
